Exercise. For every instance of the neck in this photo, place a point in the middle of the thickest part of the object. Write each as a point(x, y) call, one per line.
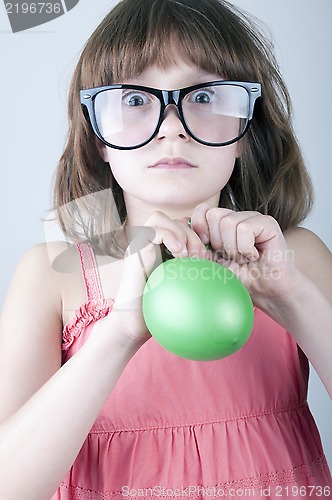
point(138, 211)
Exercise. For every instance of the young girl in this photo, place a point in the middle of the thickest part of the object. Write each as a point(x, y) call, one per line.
point(178, 114)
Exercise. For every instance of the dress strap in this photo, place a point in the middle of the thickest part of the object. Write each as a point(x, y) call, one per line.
point(90, 272)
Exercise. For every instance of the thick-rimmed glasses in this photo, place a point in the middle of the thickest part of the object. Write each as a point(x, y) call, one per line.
point(216, 113)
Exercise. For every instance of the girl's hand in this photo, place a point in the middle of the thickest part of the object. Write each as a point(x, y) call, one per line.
point(252, 246)
point(142, 257)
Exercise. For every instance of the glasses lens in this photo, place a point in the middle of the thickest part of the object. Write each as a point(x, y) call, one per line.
point(217, 113)
point(126, 117)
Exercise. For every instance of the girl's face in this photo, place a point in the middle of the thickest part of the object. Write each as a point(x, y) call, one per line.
point(173, 189)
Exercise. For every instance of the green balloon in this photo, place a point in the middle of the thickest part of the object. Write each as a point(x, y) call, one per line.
point(197, 309)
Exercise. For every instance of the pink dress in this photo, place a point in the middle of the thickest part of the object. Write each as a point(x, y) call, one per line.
point(237, 427)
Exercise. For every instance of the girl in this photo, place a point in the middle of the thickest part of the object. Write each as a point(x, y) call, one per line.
point(177, 113)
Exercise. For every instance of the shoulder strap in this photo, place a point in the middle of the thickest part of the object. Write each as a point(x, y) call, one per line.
point(90, 272)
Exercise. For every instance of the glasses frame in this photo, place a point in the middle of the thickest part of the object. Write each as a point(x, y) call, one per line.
point(166, 97)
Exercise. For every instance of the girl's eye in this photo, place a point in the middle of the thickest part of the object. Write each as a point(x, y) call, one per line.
point(202, 96)
point(134, 98)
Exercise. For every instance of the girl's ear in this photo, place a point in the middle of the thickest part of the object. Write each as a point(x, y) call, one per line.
point(102, 150)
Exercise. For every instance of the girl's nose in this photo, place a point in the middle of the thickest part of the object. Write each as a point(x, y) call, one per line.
point(171, 127)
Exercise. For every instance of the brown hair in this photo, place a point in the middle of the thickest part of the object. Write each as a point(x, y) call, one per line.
point(269, 177)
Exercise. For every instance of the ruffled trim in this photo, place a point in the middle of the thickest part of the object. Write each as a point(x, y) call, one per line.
point(292, 482)
point(91, 311)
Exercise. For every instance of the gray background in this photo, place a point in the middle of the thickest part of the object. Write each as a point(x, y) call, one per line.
point(36, 66)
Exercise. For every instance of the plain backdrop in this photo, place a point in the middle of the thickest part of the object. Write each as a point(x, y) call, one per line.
point(36, 67)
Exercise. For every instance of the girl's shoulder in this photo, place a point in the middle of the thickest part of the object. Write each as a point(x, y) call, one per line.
point(306, 245)
point(49, 272)
point(55, 269)
point(51, 261)
point(36, 265)
point(311, 256)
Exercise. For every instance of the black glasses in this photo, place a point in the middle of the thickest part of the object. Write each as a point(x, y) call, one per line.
point(129, 116)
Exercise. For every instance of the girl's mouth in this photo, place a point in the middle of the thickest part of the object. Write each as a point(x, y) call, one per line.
point(173, 164)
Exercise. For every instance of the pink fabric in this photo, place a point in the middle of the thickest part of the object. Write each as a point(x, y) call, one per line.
point(235, 427)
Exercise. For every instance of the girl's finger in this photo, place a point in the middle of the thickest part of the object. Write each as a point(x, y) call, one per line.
point(213, 218)
point(199, 223)
point(168, 232)
point(176, 235)
point(260, 232)
point(239, 243)
point(223, 226)
point(195, 246)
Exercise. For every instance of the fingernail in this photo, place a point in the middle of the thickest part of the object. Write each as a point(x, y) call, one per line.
point(205, 238)
point(184, 251)
point(181, 248)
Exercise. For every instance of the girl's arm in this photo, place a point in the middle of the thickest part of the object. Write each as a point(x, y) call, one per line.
point(46, 410)
point(307, 312)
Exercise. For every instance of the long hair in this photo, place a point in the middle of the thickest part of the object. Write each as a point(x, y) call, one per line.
point(269, 177)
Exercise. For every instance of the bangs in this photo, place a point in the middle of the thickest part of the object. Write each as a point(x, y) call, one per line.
point(140, 33)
